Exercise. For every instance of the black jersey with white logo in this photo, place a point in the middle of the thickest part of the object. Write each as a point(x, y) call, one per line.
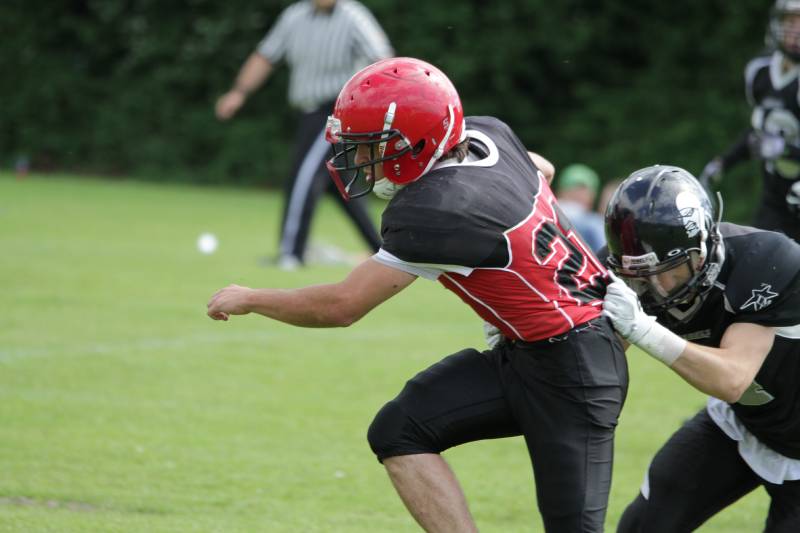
point(760, 284)
point(773, 90)
point(521, 265)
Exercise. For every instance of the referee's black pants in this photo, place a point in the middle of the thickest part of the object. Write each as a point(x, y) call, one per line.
point(308, 180)
point(564, 397)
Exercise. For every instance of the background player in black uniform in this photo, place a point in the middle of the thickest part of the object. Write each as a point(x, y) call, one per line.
point(471, 208)
point(772, 86)
point(729, 297)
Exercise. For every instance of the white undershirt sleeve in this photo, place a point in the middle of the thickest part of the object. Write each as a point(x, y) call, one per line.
point(423, 270)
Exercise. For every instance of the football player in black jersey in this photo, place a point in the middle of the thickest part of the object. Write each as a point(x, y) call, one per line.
point(720, 305)
point(471, 208)
point(772, 87)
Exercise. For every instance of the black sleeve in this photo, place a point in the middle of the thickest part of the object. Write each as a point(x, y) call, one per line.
point(420, 226)
point(792, 152)
point(441, 246)
point(783, 311)
point(764, 287)
point(737, 152)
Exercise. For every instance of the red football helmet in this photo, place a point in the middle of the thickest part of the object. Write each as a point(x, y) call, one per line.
point(406, 111)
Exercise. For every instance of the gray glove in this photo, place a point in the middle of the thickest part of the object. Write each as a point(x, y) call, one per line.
point(768, 146)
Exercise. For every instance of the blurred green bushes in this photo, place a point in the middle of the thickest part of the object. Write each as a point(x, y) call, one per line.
point(128, 86)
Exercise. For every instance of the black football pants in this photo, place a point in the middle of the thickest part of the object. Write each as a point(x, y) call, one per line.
point(563, 397)
point(696, 474)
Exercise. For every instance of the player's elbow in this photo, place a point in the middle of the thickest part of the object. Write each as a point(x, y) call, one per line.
point(729, 395)
point(733, 389)
point(345, 314)
point(344, 320)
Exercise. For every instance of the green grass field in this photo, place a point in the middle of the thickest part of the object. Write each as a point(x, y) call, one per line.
point(123, 408)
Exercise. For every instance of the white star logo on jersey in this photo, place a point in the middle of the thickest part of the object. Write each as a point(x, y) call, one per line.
point(760, 298)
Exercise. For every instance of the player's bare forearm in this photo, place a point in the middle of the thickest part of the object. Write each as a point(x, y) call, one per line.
point(317, 306)
point(727, 371)
point(706, 370)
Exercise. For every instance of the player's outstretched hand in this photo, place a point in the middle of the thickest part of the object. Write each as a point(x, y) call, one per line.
point(767, 146)
point(232, 300)
point(621, 305)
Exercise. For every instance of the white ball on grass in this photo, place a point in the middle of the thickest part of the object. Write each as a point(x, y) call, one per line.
point(207, 243)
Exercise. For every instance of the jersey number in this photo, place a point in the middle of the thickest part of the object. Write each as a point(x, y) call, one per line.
point(552, 246)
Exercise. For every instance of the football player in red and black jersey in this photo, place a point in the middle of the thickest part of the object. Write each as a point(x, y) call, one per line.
point(725, 306)
point(772, 87)
point(471, 208)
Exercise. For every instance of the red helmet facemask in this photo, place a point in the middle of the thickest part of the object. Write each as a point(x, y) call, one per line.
point(401, 114)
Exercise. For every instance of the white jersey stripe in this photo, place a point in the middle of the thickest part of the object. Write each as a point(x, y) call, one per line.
point(484, 304)
point(564, 314)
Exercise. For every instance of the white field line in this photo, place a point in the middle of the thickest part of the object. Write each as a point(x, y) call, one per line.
point(193, 341)
point(153, 343)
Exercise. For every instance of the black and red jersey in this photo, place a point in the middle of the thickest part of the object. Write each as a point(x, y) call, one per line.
point(490, 230)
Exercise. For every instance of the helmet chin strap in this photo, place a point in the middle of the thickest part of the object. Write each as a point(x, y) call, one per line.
point(719, 248)
point(385, 189)
point(440, 149)
point(682, 315)
point(388, 118)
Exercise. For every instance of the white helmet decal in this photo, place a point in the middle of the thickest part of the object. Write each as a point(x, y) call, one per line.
point(691, 212)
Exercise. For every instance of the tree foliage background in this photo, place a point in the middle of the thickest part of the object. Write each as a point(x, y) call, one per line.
point(127, 87)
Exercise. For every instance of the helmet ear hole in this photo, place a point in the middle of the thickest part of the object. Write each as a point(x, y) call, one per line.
point(419, 147)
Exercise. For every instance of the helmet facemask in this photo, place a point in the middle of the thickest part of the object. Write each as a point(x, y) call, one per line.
point(385, 145)
point(784, 27)
point(349, 175)
point(673, 284)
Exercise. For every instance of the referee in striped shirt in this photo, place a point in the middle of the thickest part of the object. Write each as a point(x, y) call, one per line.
point(324, 43)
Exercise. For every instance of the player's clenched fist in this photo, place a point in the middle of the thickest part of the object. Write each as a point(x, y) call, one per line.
point(232, 300)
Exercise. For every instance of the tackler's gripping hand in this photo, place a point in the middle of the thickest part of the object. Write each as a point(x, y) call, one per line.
point(622, 306)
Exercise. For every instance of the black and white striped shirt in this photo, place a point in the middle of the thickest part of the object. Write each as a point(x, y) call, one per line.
point(323, 49)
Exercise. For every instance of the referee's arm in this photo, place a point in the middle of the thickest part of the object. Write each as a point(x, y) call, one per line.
point(256, 68)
